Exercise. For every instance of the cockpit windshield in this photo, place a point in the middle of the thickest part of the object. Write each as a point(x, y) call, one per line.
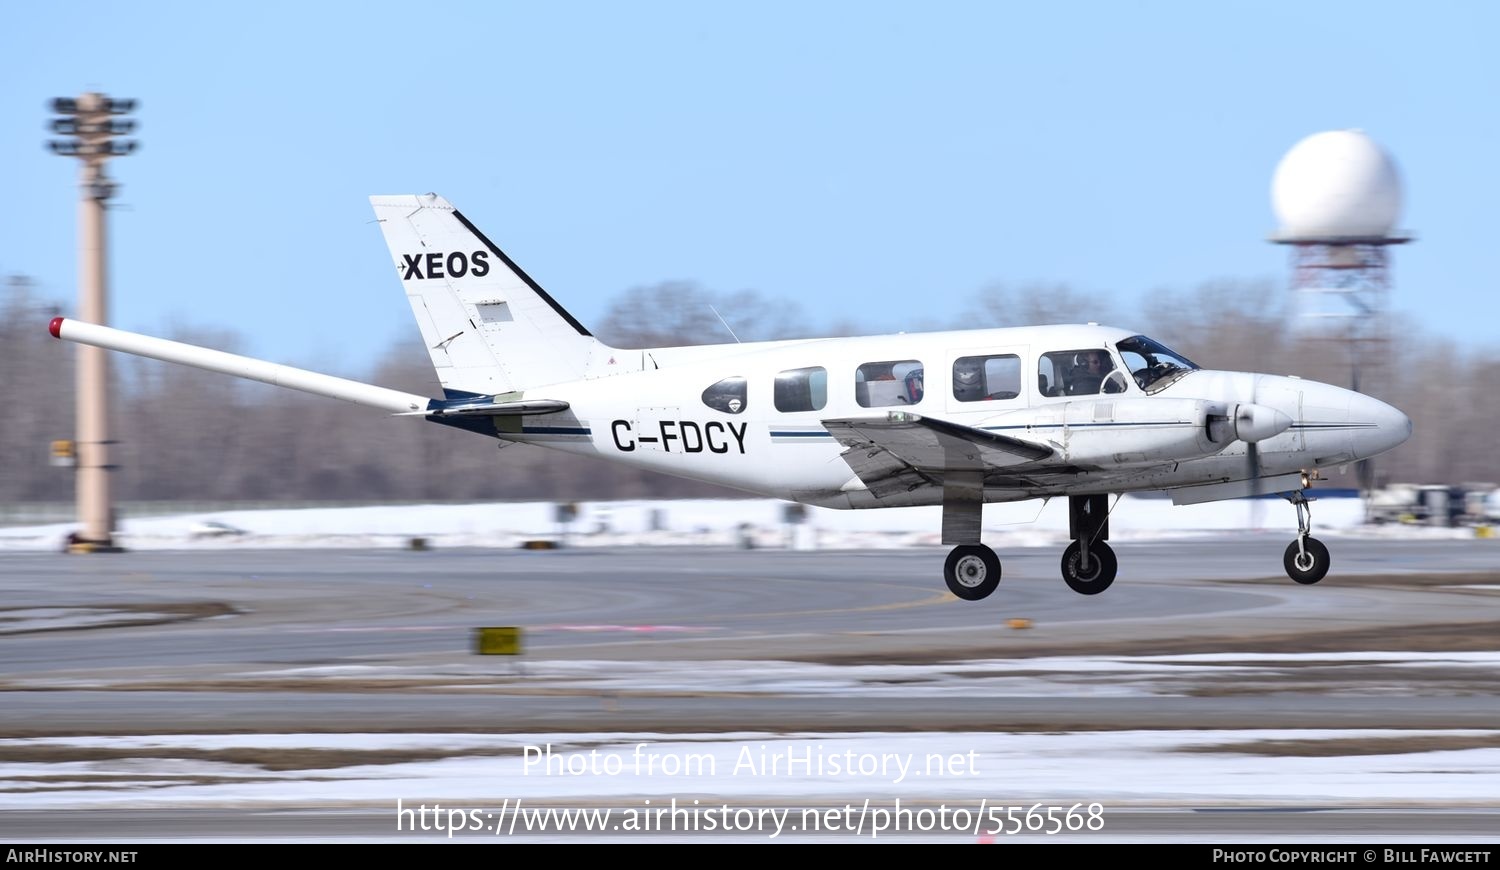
point(1154, 365)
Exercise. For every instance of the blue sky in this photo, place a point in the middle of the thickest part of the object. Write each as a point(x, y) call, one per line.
point(871, 161)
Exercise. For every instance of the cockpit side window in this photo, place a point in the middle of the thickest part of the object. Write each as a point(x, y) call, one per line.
point(979, 378)
point(1153, 365)
point(727, 395)
point(1083, 372)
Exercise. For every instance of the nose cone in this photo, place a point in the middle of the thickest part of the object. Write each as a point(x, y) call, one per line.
point(1384, 427)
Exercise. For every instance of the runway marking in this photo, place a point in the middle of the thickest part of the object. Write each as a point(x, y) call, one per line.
point(581, 627)
point(357, 629)
point(642, 629)
point(938, 598)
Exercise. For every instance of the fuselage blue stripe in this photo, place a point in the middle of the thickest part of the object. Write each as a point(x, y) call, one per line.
point(1085, 425)
point(568, 430)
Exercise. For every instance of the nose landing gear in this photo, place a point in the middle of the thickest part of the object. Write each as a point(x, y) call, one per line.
point(1096, 574)
point(1088, 564)
point(1306, 559)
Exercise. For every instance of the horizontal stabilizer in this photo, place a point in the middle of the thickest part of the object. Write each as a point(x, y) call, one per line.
point(237, 366)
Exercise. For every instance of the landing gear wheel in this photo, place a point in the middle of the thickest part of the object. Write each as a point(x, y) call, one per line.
point(1100, 573)
point(972, 571)
point(1307, 567)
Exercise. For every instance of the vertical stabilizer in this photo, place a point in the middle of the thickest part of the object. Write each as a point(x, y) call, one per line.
point(487, 326)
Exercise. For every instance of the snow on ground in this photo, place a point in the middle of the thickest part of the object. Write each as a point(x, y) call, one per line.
point(1229, 767)
point(1039, 677)
point(1226, 767)
point(713, 522)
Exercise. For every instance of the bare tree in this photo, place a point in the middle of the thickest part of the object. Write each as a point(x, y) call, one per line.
point(36, 391)
point(677, 313)
point(1222, 324)
point(1033, 304)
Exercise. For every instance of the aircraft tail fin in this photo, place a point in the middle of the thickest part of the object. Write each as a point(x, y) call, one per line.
point(488, 327)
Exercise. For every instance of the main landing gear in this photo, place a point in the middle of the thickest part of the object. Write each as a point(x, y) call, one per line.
point(1089, 564)
point(1306, 559)
point(972, 571)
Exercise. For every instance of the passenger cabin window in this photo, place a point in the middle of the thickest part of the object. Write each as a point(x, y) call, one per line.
point(802, 389)
point(1086, 372)
point(978, 378)
point(727, 395)
point(894, 382)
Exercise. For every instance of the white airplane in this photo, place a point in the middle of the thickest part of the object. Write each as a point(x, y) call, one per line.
point(1083, 411)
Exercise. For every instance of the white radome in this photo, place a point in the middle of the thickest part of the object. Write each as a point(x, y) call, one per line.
point(1334, 185)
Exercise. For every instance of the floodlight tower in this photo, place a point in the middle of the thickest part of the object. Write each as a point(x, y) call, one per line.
point(92, 124)
point(1337, 196)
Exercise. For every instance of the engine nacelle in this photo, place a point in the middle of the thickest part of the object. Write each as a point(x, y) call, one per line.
point(1247, 422)
point(1123, 431)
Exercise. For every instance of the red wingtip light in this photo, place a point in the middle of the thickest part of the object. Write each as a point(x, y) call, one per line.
point(55, 327)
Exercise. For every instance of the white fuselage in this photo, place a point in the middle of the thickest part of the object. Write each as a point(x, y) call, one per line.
point(652, 415)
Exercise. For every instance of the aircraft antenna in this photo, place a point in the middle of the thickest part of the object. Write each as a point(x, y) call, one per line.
point(726, 324)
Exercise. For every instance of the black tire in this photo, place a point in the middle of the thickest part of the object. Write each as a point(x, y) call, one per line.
point(1313, 568)
point(972, 571)
point(1102, 568)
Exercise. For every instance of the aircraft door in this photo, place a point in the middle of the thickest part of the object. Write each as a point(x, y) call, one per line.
point(989, 379)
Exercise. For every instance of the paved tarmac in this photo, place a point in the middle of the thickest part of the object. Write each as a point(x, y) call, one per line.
point(223, 627)
point(360, 641)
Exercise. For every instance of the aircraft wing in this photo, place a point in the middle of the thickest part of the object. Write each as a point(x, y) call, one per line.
point(901, 450)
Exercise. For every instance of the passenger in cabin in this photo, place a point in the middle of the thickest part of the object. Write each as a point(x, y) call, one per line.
point(914, 386)
point(968, 379)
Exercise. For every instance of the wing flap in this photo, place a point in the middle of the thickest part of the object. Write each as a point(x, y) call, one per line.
point(901, 450)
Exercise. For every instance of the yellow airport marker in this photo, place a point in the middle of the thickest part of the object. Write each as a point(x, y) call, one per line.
point(498, 641)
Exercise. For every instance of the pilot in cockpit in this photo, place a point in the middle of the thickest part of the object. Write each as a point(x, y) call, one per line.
point(1089, 369)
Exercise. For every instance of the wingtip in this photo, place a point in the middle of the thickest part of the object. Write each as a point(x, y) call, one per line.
point(55, 327)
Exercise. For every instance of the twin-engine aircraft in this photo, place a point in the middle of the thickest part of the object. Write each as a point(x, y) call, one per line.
point(955, 419)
